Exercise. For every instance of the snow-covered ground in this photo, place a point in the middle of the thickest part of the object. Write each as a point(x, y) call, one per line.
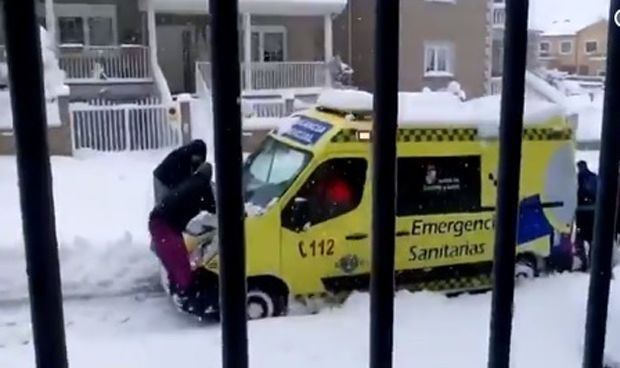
point(430, 331)
point(102, 203)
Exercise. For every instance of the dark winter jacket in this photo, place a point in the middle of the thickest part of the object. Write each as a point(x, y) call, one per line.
point(587, 182)
point(182, 204)
point(181, 163)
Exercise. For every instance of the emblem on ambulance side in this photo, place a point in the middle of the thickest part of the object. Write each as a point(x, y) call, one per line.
point(348, 263)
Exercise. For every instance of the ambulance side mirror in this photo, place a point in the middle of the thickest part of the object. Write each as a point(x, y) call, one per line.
point(300, 212)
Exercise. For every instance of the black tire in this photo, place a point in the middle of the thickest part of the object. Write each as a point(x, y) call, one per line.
point(526, 267)
point(266, 299)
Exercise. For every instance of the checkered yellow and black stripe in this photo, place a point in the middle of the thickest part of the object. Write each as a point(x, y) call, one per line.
point(476, 282)
point(346, 136)
point(416, 135)
point(456, 135)
point(547, 134)
point(437, 135)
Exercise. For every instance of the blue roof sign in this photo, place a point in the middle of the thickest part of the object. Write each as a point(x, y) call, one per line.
point(307, 130)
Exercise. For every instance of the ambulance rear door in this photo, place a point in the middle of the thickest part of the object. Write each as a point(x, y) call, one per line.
point(440, 221)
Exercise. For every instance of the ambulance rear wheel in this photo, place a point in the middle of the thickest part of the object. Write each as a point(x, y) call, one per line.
point(266, 299)
point(526, 267)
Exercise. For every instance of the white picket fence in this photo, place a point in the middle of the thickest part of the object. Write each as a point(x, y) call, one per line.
point(105, 126)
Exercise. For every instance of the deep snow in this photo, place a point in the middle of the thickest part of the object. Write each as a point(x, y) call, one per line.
point(102, 203)
point(430, 331)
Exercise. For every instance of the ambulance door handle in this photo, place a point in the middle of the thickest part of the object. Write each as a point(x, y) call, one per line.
point(402, 233)
point(356, 236)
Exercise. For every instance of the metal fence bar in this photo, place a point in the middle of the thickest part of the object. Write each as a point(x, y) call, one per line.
point(23, 46)
point(510, 144)
point(227, 125)
point(604, 219)
point(385, 124)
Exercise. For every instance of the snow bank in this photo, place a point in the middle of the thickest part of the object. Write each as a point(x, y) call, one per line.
point(6, 115)
point(430, 330)
point(102, 204)
point(54, 76)
point(346, 100)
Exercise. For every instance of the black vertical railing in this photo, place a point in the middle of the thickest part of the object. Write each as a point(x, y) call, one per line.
point(26, 87)
point(604, 219)
point(384, 187)
point(29, 124)
point(228, 161)
point(510, 133)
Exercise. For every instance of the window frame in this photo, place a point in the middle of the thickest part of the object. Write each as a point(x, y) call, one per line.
point(585, 47)
point(572, 46)
point(262, 30)
point(436, 46)
point(541, 51)
point(87, 11)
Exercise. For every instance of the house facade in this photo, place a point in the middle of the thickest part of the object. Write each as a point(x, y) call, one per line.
point(107, 49)
point(575, 49)
point(440, 41)
point(498, 20)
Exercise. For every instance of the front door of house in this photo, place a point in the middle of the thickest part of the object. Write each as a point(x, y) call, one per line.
point(174, 52)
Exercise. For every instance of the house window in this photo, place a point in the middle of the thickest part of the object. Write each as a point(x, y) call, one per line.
point(591, 47)
point(71, 30)
point(566, 47)
point(269, 43)
point(438, 59)
point(85, 24)
point(544, 49)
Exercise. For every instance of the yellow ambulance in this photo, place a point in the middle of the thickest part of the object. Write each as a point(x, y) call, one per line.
point(308, 194)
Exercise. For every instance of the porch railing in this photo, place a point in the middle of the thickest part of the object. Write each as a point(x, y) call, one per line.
point(276, 75)
point(104, 63)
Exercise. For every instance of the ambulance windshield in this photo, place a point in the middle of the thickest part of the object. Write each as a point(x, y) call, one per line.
point(270, 170)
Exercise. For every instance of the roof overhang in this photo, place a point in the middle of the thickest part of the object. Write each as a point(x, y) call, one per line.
point(258, 7)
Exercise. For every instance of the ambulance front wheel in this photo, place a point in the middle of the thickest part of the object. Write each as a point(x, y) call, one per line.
point(267, 297)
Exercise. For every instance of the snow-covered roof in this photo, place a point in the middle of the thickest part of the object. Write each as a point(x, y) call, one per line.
point(564, 27)
point(258, 7)
point(549, 16)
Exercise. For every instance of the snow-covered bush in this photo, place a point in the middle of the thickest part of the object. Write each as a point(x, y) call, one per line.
point(54, 76)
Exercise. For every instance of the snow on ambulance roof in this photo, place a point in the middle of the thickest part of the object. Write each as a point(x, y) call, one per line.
point(440, 108)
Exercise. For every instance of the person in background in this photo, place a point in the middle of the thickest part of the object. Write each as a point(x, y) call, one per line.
point(179, 165)
point(587, 183)
point(167, 223)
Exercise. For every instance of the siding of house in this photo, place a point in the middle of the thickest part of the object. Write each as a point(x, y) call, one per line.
point(555, 58)
point(578, 61)
point(463, 24)
point(590, 64)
